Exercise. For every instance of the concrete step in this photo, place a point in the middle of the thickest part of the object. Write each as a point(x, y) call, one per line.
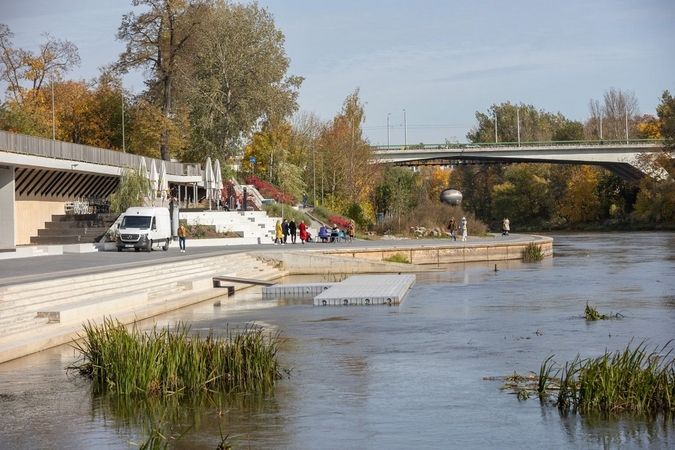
point(21, 323)
point(16, 298)
point(26, 302)
point(57, 232)
point(64, 240)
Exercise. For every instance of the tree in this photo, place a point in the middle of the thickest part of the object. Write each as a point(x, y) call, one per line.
point(656, 200)
point(239, 78)
point(159, 40)
point(131, 191)
point(514, 123)
point(666, 122)
point(615, 118)
point(524, 195)
point(346, 157)
point(27, 73)
point(582, 203)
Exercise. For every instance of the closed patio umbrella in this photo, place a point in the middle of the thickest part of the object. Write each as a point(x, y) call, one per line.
point(154, 182)
point(217, 181)
point(163, 182)
point(208, 180)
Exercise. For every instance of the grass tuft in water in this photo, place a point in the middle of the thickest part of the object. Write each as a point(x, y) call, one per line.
point(165, 362)
point(592, 314)
point(635, 381)
point(532, 252)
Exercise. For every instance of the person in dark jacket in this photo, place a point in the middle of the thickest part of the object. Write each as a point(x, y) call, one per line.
point(292, 229)
point(284, 230)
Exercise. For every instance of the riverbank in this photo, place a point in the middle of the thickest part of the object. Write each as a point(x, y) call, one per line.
point(47, 304)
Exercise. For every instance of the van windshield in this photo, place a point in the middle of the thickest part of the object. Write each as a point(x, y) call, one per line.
point(142, 222)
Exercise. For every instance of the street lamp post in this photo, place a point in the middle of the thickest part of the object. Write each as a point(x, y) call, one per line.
point(495, 127)
point(405, 130)
point(53, 114)
point(388, 141)
point(518, 124)
point(124, 150)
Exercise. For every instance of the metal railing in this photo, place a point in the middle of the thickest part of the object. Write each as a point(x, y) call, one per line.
point(558, 144)
point(48, 148)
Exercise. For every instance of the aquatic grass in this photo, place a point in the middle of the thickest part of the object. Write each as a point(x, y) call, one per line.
point(545, 378)
point(532, 252)
point(591, 314)
point(398, 258)
point(163, 362)
point(634, 381)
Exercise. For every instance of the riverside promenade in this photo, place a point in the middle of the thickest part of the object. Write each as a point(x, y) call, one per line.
point(44, 300)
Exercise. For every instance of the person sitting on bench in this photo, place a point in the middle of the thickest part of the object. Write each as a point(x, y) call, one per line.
point(334, 233)
point(323, 233)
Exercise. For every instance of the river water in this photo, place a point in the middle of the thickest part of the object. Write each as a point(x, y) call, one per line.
point(403, 377)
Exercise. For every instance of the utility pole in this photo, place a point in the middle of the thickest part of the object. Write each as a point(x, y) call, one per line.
point(388, 141)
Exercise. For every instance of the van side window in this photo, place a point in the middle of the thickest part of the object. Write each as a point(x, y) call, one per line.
point(154, 224)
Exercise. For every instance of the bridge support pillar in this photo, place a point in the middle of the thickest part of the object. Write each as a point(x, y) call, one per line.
point(7, 207)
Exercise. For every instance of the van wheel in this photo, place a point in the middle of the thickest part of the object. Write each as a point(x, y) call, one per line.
point(166, 245)
point(149, 246)
point(119, 249)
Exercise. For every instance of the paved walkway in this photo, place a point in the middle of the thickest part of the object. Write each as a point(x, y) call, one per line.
point(26, 270)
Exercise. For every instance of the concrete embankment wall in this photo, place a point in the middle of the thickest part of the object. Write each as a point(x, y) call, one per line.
point(422, 256)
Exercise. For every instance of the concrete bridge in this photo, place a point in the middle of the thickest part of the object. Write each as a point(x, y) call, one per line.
point(619, 157)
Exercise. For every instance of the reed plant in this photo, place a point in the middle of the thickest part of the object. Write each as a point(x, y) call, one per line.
point(164, 362)
point(532, 252)
point(633, 380)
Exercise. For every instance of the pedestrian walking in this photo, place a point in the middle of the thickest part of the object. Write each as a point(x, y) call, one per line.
point(292, 229)
point(284, 230)
point(182, 234)
point(278, 234)
point(506, 226)
point(452, 226)
point(351, 230)
point(463, 228)
point(304, 201)
point(303, 231)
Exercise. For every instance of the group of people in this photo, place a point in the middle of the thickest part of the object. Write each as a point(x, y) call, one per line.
point(452, 226)
point(285, 228)
point(335, 234)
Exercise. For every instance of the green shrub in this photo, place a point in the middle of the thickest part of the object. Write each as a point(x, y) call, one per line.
point(398, 258)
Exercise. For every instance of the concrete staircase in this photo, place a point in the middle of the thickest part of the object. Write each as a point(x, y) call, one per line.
point(74, 229)
point(41, 315)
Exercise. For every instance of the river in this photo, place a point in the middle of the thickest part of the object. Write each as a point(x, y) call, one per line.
point(404, 377)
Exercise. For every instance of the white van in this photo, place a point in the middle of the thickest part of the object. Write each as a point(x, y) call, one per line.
point(144, 228)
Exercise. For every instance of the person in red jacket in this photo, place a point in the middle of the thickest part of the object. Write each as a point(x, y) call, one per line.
point(303, 231)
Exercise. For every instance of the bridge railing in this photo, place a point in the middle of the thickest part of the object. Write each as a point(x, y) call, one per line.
point(36, 146)
point(486, 145)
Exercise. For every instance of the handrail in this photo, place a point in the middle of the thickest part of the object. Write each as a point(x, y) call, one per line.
point(37, 146)
point(472, 145)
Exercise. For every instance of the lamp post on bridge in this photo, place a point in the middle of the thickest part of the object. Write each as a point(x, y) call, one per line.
point(405, 131)
point(388, 141)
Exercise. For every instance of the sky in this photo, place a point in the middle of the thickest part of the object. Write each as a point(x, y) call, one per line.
point(425, 67)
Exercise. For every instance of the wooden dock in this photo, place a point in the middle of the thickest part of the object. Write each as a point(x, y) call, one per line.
point(367, 290)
